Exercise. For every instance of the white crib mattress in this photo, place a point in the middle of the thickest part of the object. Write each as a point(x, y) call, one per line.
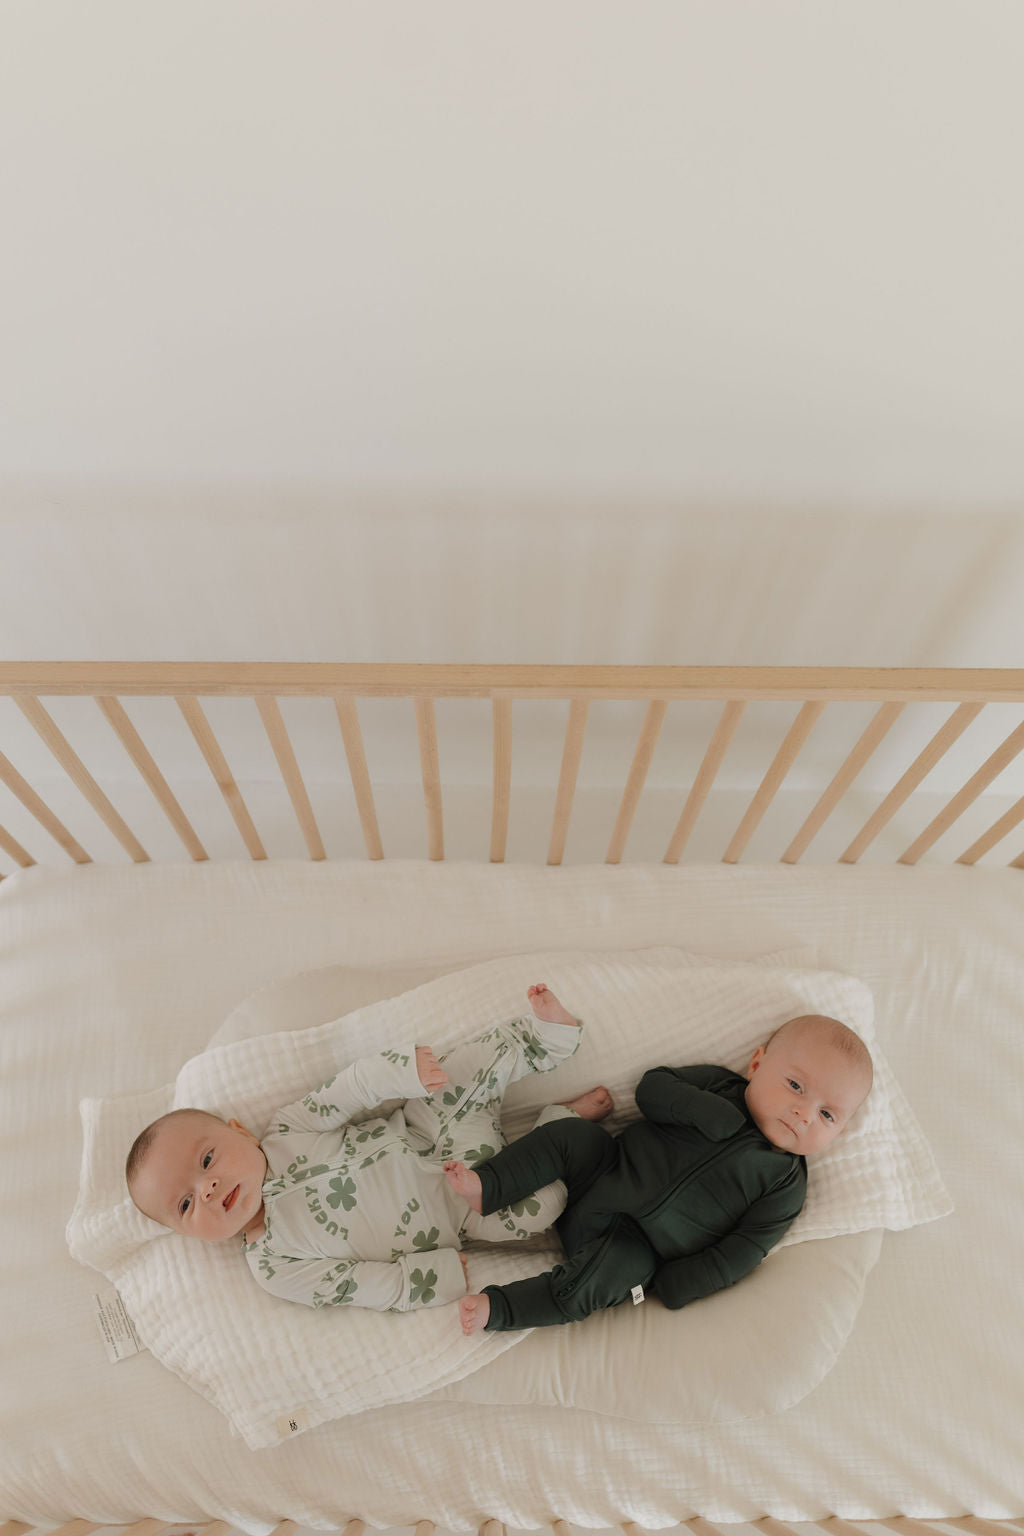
point(111, 977)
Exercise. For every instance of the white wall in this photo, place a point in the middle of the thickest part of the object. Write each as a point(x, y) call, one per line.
point(673, 332)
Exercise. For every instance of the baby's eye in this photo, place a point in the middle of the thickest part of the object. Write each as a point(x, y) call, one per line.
point(828, 1115)
point(185, 1205)
point(793, 1083)
point(207, 1159)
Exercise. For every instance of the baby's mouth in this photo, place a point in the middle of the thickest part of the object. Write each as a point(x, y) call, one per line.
point(229, 1202)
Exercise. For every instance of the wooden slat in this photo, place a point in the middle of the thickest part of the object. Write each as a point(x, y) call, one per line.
point(903, 1525)
point(975, 1527)
point(216, 1528)
point(352, 737)
point(116, 715)
point(409, 680)
point(922, 765)
point(354, 1528)
point(1004, 754)
point(502, 778)
point(285, 1528)
point(883, 720)
point(571, 754)
point(995, 834)
point(217, 764)
point(77, 1528)
point(648, 739)
point(768, 1526)
point(426, 732)
point(701, 1527)
point(14, 850)
point(80, 776)
point(146, 1528)
point(769, 786)
point(14, 1528)
point(730, 719)
point(42, 813)
point(273, 721)
point(836, 1527)
point(422, 1528)
point(491, 1528)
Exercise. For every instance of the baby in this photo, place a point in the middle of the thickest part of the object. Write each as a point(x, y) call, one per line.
point(688, 1199)
point(333, 1210)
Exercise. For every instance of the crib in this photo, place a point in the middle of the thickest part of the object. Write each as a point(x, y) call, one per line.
point(881, 905)
point(734, 687)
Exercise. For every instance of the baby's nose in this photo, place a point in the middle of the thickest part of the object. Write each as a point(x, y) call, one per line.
point(211, 1188)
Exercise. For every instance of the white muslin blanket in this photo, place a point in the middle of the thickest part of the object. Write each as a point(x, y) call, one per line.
point(275, 1368)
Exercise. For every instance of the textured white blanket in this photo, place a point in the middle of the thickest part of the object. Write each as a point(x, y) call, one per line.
point(639, 1010)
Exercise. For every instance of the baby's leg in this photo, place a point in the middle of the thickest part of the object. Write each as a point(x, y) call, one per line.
point(604, 1273)
point(534, 1213)
point(463, 1119)
point(574, 1150)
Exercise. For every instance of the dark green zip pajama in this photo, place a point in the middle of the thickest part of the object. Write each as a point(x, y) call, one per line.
point(684, 1202)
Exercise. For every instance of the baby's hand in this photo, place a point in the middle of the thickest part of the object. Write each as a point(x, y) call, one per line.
point(432, 1074)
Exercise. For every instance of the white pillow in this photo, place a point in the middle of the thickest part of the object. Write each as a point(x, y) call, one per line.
point(269, 1365)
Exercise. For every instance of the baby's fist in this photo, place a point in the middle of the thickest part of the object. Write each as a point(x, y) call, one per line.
point(431, 1073)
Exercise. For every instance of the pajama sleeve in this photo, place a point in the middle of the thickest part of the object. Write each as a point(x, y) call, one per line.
point(723, 1263)
point(412, 1281)
point(366, 1083)
point(690, 1096)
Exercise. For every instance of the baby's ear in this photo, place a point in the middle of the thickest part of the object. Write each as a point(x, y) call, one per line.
point(754, 1063)
point(238, 1126)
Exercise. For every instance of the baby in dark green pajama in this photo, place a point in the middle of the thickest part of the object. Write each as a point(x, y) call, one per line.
point(688, 1199)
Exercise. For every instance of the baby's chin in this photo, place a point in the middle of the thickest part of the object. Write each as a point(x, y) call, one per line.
point(769, 1129)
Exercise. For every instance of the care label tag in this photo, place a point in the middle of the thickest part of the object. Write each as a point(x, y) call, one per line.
point(116, 1328)
point(637, 1294)
point(293, 1423)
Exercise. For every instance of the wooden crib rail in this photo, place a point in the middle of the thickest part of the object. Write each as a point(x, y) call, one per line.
point(902, 1525)
point(812, 689)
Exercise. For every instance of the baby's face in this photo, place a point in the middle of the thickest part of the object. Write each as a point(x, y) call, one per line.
point(202, 1177)
point(802, 1092)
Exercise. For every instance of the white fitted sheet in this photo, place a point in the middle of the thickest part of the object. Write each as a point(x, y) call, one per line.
point(110, 978)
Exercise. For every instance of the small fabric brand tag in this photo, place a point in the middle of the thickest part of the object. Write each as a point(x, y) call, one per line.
point(293, 1423)
point(116, 1328)
point(637, 1294)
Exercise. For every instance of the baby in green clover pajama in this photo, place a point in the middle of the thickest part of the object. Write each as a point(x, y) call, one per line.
point(333, 1212)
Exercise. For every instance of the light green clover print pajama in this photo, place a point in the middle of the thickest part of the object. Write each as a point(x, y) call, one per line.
point(358, 1211)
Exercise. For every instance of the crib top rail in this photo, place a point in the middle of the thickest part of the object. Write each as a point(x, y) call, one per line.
point(814, 689)
point(484, 680)
point(697, 1525)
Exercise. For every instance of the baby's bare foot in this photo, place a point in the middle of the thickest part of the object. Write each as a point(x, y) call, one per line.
point(473, 1313)
point(465, 1183)
point(546, 1005)
point(594, 1105)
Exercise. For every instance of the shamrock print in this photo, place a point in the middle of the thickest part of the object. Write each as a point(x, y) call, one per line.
point(422, 1286)
point(343, 1193)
